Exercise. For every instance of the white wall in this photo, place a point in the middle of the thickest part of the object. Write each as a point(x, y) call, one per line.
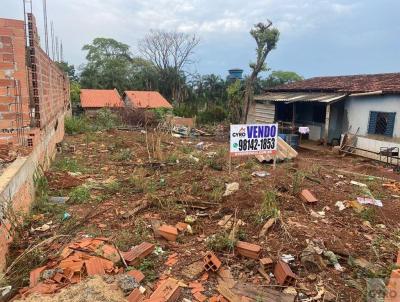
point(358, 109)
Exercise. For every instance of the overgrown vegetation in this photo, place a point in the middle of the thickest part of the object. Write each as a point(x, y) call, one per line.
point(269, 207)
point(220, 242)
point(79, 194)
point(76, 125)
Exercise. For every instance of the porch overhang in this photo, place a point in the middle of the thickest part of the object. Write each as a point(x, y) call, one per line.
point(294, 97)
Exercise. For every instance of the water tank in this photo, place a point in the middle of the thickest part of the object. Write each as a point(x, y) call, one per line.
point(235, 74)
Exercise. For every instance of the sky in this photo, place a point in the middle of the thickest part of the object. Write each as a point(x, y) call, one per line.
point(318, 37)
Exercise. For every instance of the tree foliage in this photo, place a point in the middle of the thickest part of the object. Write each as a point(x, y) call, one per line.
point(266, 38)
point(280, 77)
point(109, 63)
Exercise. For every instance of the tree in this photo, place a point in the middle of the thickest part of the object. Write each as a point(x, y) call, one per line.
point(68, 69)
point(235, 98)
point(266, 38)
point(170, 52)
point(108, 66)
point(280, 77)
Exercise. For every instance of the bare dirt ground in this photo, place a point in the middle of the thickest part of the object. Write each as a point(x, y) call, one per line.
point(109, 175)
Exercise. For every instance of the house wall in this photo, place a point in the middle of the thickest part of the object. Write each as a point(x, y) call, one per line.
point(356, 114)
point(357, 111)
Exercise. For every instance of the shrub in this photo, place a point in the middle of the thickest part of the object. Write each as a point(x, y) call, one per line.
point(76, 125)
point(212, 115)
point(105, 119)
point(220, 242)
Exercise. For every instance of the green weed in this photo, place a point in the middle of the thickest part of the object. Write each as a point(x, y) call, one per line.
point(269, 207)
point(66, 164)
point(220, 242)
point(75, 125)
point(123, 155)
point(79, 194)
point(297, 181)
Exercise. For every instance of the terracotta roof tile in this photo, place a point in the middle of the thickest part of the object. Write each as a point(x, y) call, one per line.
point(385, 82)
point(147, 99)
point(95, 98)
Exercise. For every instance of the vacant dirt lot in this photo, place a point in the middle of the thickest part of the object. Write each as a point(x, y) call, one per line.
point(123, 183)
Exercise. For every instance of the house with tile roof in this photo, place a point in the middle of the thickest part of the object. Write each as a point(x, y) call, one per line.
point(94, 99)
point(145, 100)
point(366, 107)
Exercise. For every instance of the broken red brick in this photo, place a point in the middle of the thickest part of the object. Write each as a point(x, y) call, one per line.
point(266, 262)
point(94, 266)
point(172, 259)
point(169, 232)
point(196, 287)
point(211, 262)
point(34, 276)
point(393, 287)
point(181, 226)
point(138, 275)
point(169, 290)
point(283, 273)
point(248, 249)
point(199, 297)
point(138, 252)
point(307, 196)
point(135, 296)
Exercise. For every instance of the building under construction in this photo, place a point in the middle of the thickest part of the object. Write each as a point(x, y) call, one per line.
point(34, 99)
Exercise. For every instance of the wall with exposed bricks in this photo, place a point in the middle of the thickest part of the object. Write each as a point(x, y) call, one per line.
point(34, 100)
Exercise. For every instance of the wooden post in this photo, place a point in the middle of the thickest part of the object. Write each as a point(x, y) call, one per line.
point(274, 165)
point(293, 116)
point(230, 163)
point(327, 118)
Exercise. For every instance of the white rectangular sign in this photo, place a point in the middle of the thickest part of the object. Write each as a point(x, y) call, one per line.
point(253, 139)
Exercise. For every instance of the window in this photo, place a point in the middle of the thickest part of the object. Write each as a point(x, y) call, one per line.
point(381, 123)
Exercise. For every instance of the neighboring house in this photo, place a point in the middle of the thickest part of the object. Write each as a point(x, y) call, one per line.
point(145, 100)
point(94, 99)
point(365, 105)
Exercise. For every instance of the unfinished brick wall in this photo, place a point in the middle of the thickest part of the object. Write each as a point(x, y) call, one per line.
point(33, 90)
point(14, 92)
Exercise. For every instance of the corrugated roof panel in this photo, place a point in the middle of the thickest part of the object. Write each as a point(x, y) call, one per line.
point(291, 97)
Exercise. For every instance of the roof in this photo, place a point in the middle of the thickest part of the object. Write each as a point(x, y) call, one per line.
point(98, 98)
point(147, 99)
point(291, 97)
point(384, 82)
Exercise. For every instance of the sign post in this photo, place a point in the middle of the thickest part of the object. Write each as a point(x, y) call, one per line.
point(253, 139)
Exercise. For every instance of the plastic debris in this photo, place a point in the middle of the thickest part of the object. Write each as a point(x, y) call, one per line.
point(200, 146)
point(231, 188)
point(340, 205)
point(190, 219)
point(360, 184)
point(59, 199)
point(287, 258)
point(66, 216)
point(368, 200)
point(260, 173)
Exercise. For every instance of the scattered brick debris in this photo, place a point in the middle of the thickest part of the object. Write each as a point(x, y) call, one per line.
point(307, 196)
point(248, 249)
point(211, 262)
point(283, 273)
point(169, 290)
point(135, 296)
point(169, 232)
point(172, 259)
point(134, 255)
point(181, 226)
point(138, 275)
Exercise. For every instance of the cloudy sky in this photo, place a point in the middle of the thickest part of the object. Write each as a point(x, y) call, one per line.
point(318, 37)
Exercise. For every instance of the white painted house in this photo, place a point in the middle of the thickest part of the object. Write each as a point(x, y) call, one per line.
point(367, 106)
